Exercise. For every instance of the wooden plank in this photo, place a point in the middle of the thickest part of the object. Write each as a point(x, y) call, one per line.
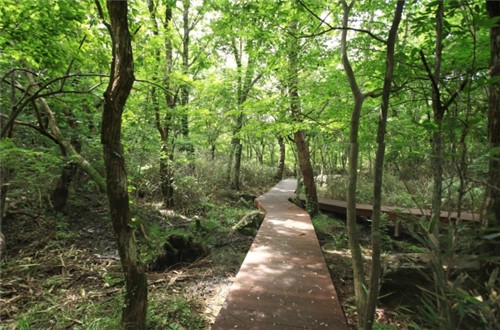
point(284, 282)
point(393, 212)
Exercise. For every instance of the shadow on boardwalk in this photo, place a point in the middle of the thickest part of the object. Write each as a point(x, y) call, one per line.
point(284, 282)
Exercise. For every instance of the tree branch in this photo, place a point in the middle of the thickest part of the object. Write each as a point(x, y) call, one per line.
point(435, 85)
point(455, 94)
point(27, 98)
point(39, 129)
point(101, 15)
point(332, 28)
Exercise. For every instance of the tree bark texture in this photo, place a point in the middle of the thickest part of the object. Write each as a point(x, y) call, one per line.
point(70, 149)
point(245, 84)
point(164, 122)
point(374, 284)
point(438, 109)
point(307, 172)
point(352, 230)
point(299, 136)
point(60, 194)
point(237, 152)
point(281, 162)
point(187, 144)
point(115, 97)
point(493, 192)
point(5, 172)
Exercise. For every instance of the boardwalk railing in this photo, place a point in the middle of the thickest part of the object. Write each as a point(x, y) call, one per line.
point(284, 282)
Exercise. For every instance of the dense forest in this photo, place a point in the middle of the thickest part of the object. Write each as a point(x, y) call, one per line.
point(130, 129)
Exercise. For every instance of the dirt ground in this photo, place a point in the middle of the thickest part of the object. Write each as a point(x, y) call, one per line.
point(70, 267)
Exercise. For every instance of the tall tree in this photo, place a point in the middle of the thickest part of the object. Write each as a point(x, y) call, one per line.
point(115, 97)
point(164, 119)
point(440, 106)
point(379, 171)
point(299, 135)
point(492, 219)
point(352, 231)
point(359, 98)
point(246, 79)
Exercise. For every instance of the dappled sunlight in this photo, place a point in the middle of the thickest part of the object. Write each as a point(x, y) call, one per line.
point(284, 280)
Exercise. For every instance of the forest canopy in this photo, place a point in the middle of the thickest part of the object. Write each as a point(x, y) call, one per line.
point(177, 101)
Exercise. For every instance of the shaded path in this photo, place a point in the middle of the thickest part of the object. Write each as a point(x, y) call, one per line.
point(283, 282)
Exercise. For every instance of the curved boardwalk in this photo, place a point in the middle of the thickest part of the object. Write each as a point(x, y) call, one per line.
point(283, 282)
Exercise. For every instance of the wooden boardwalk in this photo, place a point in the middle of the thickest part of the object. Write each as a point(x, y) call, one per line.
point(393, 212)
point(284, 282)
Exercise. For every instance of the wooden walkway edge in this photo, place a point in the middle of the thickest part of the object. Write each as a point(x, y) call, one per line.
point(393, 212)
point(284, 282)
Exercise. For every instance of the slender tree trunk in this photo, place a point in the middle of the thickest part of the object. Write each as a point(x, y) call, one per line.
point(187, 144)
point(379, 171)
point(5, 172)
point(164, 122)
point(307, 173)
point(299, 136)
point(230, 161)
point(437, 135)
point(212, 151)
point(492, 219)
point(60, 195)
point(70, 148)
point(352, 230)
point(281, 162)
point(437, 170)
point(238, 150)
point(115, 97)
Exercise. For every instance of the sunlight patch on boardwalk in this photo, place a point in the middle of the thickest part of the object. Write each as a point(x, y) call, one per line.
point(284, 282)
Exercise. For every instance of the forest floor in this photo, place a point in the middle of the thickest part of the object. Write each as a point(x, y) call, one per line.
point(63, 272)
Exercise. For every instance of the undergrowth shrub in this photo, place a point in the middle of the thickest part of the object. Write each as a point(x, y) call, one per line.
point(254, 174)
point(32, 173)
point(331, 230)
point(394, 191)
point(456, 299)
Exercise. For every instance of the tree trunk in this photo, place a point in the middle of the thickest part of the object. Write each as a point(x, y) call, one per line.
point(6, 173)
point(115, 97)
point(166, 177)
point(245, 84)
point(379, 171)
point(212, 151)
point(352, 230)
point(492, 219)
point(60, 195)
point(187, 145)
point(438, 109)
point(238, 150)
point(307, 173)
point(164, 123)
point(299, 136)
point(281, 162)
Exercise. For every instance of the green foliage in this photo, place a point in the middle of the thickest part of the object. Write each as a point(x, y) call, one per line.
point(380, 326)
point(38, 167)
point(256, 175)
point(46, 36)
point(456, 299)
point(63, 232)
point(175, 314)
point(87, 315)
point(331, 229)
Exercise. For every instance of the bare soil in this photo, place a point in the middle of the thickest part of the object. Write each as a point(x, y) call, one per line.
point(73, 263)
